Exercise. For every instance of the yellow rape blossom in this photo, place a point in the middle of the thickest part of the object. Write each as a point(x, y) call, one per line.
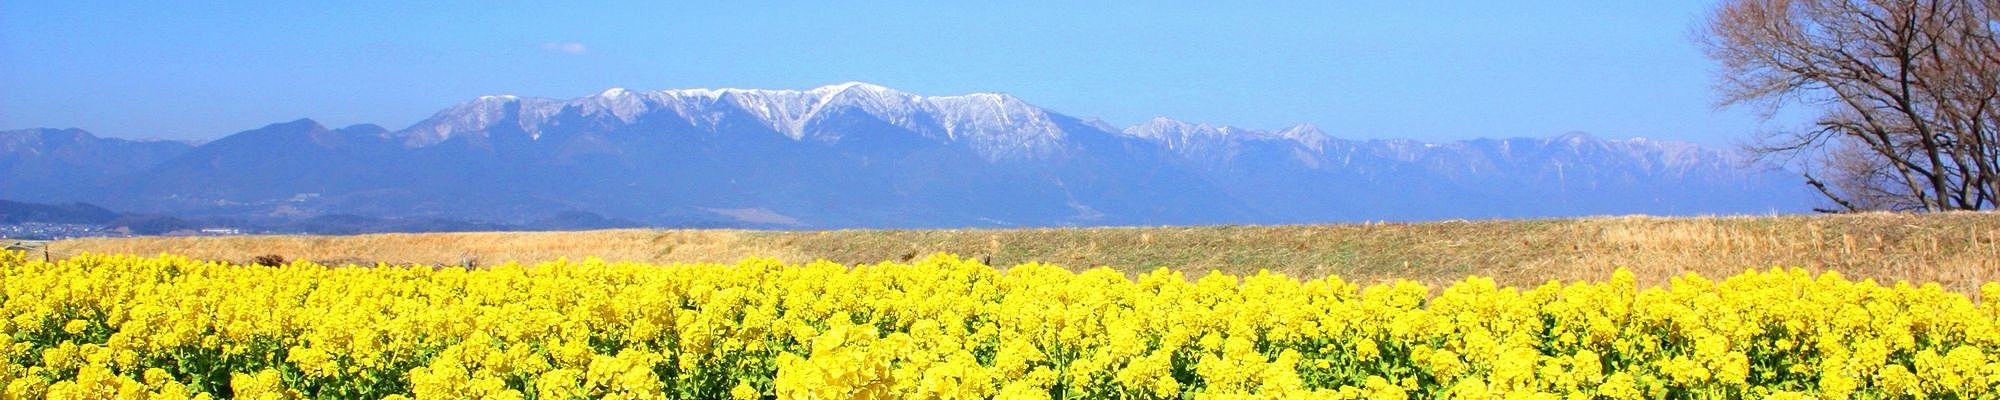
point(168, 327)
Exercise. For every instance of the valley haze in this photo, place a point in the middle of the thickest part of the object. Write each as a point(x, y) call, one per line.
point(861, 155)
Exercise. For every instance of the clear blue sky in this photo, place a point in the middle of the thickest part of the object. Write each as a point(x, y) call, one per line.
point(1425, 70)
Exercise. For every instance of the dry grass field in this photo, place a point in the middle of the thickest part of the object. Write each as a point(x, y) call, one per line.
point(1957, 250)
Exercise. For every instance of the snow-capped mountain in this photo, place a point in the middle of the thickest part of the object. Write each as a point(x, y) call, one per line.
point(998, 126)
point(862, 155)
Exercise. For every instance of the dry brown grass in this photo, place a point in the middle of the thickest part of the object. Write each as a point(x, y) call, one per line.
point(1957, 250)
point(486, 248)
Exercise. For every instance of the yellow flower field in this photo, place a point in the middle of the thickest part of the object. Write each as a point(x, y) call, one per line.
point(100, 326)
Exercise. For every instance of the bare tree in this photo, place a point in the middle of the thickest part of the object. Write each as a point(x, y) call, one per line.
point(1908, 90)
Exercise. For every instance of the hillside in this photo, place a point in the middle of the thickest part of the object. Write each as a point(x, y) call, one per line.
point(70, 164)
point(13, 212)
point(1957, 250)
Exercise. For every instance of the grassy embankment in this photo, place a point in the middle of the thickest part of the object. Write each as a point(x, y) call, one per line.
point(1958, 250)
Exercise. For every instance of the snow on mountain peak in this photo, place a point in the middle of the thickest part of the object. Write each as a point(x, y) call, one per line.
point(1163, 128)
point(1574, 138)
point(1179, 134)
point(845, 86)
point(995, 124)
point(477, 115)
point(1306, 134)
point(1302, 130)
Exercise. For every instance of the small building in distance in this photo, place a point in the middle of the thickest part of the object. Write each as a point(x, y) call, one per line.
point(220, 231)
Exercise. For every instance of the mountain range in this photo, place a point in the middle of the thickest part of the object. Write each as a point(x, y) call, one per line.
point(862, 155)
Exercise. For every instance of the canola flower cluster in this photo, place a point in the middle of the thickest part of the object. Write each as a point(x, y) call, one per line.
point(107, 326)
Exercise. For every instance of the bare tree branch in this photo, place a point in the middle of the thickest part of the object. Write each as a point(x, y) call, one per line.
point(1910, 91)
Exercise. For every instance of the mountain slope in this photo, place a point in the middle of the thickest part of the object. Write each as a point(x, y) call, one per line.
point(46, 164)
point(14, 212)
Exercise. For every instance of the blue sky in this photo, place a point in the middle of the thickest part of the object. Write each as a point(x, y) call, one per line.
point(1367, 69)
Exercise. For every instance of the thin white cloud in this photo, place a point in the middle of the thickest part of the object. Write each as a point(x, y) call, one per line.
point(570, 48)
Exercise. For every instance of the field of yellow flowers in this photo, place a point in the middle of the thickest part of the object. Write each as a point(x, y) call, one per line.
point(99, 326)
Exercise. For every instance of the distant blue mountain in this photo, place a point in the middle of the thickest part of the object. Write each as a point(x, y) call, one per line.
point(72, 163)
point(860, 155)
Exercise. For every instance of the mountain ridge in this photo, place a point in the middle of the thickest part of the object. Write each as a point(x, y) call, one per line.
point(864, 155)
